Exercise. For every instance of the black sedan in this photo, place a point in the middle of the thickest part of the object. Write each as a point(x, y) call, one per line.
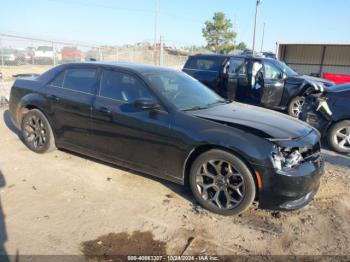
point(163, 122)
point(329, 112)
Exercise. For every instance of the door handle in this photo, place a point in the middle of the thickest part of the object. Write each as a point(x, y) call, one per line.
point(104, 110)
point(53, 98)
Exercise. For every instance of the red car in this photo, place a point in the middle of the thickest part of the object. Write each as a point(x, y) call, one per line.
point(338, 79)
point(71, 54)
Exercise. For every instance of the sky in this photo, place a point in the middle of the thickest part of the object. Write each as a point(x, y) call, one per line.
point(117, 22)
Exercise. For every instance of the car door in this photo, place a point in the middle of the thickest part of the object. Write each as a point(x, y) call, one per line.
point(238, 82)
point(208, 70)
point(272, 85)
point(71, 94)
point(124, 133)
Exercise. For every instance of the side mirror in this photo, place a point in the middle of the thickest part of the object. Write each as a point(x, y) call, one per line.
point(146, 104)
point(284, 76)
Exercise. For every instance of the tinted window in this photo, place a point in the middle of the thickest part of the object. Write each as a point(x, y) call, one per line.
point(237, 66)
point(83, 79)
point(123, 87)
point(58, 81)
point(205, 63)
point(272, 71)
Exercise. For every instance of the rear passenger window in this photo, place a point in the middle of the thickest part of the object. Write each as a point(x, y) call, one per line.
point(237, 66)
point(199, 63)
point(83, 80)
point(58, 81)
point(123, 87)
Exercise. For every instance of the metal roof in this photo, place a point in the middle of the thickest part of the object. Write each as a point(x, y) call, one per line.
point(314, 43)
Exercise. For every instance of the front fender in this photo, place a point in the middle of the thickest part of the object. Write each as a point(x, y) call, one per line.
point(254, 149)
point(311, 87)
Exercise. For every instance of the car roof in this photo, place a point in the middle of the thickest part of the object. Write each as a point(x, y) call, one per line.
point(137, 68)
point(245, 56)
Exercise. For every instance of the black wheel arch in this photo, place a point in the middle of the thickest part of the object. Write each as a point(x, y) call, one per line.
point(306, 90)
point(30, 102)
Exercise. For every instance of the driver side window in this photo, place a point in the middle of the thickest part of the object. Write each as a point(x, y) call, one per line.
point(123, 87)
point(238, 66)
point(271, 71)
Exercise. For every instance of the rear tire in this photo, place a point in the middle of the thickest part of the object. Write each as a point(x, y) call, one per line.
point(339, 137)
point(222, 183)
point(37, 133)
point(295, 106)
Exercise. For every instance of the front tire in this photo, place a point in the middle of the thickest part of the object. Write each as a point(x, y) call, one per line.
point(339, 137)
point(295, 106)
point(37, 133)
point(222, 183)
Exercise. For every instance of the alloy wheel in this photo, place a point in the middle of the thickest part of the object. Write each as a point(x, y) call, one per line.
point(297, 107)
point(35, 132)
point(342, 138)
point(220, 184)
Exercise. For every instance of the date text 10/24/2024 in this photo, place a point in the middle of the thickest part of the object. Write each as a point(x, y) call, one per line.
point(173, 258)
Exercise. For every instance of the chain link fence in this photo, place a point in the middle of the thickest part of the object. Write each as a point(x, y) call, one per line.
point(23, 56)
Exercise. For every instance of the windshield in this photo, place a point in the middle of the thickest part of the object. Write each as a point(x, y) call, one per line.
point(289, 71)
point(183, 91)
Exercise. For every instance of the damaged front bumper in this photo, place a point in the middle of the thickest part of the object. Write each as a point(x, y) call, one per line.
point(317, 112)
point(291, 190)
point(294, 188)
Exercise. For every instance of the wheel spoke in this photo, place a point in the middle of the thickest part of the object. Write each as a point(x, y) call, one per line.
point(237, 189)
point(229, 199)
point(28, 130)
point(30, 137)
point(348, 131)
point(233, 173)
point(216, 199)
point(239, 192)
point(217, 166)
point(41, 140)
point(206, 172)
point(35, 142)
point(339, 134)
point(343, 142)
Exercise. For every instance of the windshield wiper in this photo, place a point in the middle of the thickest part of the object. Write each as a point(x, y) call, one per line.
point(218, 102)
point(195, 108)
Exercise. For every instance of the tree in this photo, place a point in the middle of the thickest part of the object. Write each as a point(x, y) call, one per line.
point(241, 46)
point(219, 34)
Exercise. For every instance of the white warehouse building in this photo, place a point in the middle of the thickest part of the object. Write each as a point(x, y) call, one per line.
point(316, 59)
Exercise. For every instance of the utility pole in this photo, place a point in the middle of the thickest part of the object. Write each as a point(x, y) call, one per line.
point(235, 29)
point(262, 39)
point(156, 16)
point(161, 55)
point(258, 2)
point(2, 55)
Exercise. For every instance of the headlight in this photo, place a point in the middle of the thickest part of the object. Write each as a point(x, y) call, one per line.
point(286, 158)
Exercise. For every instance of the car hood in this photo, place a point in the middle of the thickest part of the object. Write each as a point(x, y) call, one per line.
point(318, 79)
point(319, 84)
point(263, 122)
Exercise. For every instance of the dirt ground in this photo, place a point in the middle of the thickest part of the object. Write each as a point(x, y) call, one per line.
point(64, 204)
